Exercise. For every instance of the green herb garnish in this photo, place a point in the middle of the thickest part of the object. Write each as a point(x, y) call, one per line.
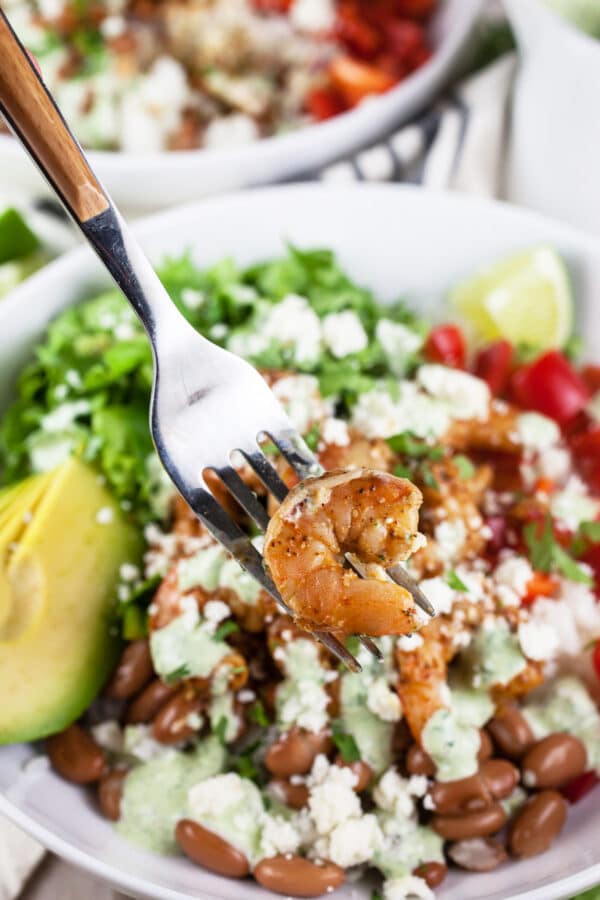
point(345, 743)
point(547, 555)
point(220, 729)
point(455, 582)
point(258, 714)
point(177, 674)
point(224, 629)
point(465, 467)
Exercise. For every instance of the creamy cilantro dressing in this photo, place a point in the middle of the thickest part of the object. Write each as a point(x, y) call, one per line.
point(565, 705)
point(401, 854)
point(494, 655)
point(187, 644)
point(155, 794)
point(231, 807)
point(452, 745)
point(211, 568)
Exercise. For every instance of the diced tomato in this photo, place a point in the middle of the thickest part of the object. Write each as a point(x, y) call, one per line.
point(324, 103)
point(352, 29)
point(575, 790)
point(405, 39)
point(587, 443)
point(539, 585)
point(544, 486)
point(493, 364)
point(592, 558)
point(356, 80)
point(596, 658)
point(446, 344)
point(497, 526)
point(272, 6)
point(416, 9)
point(591, 376)
point(550, 385)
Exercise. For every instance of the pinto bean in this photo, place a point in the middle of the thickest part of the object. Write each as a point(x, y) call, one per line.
point(361, 769)
point(554, 761)
point(537, 824)
point(433, 873)
point(298, 877)
point(110, 792)
point(207, 849)
point(495, 780)
point(511, 732)
point(295, 751)
point(418, 762)
point(294, 795)
point(76, 756)
point(171, 725)
point(133, 672)
point(477, 854)
point(478, 823)
point(149, 703)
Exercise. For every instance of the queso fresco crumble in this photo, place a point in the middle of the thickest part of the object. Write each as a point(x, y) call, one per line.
point(233, 736)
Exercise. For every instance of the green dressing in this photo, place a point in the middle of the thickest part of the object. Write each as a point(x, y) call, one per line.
point(566, 705)
point(187, 644)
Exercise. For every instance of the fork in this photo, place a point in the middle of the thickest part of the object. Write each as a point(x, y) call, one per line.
point(207, 404)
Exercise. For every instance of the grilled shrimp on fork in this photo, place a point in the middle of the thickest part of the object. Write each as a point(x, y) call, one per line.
point(206, 403)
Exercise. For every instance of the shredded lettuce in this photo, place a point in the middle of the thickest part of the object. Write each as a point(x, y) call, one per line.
point(97, 352)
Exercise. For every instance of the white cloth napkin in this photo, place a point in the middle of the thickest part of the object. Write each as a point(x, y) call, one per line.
point(458, 144)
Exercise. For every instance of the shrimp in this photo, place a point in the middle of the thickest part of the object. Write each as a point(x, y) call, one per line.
point(371, 514)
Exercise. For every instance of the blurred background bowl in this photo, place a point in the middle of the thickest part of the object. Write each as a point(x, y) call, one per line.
point(140, 183)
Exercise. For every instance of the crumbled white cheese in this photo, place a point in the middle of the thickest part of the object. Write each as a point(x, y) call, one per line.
point(138, 741)
point(105, 515)
point(109, 735)
point(450, 536)
point(63, 417)
point(128, 572)
point(352, 842)
point(315, 16)
point(396, 795)
point(573, 505)
point(278, 836)
point(215, 611)
point(234, 130)
point(383, 701)
point(554, 463)
point(439, 593)
point(468, 396)
point(300, 397)
point(378, 414)
point(335, 431)
point(537, 432)
point(538, 640)
point(574, 616)
point(399, 343)
point(407, 887)
point(513, 574)
point(294, 323)
point(343, 333)
point(332, 799)
point(409, 642)
point(112, 27)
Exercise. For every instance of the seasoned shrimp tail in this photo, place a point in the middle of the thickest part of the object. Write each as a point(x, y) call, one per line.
point(370, 514)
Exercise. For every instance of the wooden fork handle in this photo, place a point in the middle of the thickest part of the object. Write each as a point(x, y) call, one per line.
point(32, 114)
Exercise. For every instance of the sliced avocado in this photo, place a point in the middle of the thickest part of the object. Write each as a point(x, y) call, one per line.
point(56, 645)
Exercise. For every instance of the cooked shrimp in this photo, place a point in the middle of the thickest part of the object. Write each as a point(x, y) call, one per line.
point(371, 514)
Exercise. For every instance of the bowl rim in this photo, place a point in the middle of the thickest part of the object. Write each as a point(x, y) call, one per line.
point(77, 263)
point(366, 115)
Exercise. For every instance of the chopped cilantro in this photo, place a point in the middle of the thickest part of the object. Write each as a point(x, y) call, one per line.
point(224, 629)
point(465, 467)
point(134, 623)
point(456, 583)
point(258, 715)
point(403, 472)
point(428, 477)
point(547, 555)
point(312, 438)
point(177, 674)
point(409, 445)
point(220, 729)
point(246, 768)
point(345, 743)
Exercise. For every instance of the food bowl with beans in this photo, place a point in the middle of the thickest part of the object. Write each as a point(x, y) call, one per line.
point(189, 740)
point(178, 100)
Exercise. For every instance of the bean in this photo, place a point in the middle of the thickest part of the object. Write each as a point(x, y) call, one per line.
point(133, 672)
point(149, 703)
point(554, 761)
point(511, 732)
point(76, 756)
point(418, 762)
point(298, 877)
point(486, 748)
point(207, 849)
point(171, 724)
point(432, 873)
point(477, 854)
point(495, 780)
point(362, 770)
point(110, 792)
point(538, 823)
point(295, 751)
point(294, 795)
point(478, 823)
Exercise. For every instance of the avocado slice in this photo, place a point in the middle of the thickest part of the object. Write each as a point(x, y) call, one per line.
point(56, 645)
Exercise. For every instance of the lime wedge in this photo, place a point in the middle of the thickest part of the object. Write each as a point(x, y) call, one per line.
point(526, 298)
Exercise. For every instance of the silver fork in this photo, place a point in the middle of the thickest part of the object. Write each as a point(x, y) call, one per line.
point(206, 402)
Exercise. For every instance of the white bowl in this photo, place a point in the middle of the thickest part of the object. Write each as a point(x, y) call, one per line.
point(141, 183)
point(399, 241)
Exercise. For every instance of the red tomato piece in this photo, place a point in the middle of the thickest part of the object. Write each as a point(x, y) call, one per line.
point(550, 385)
point(493, 364)
point(272, 6)
point(591, 376)
point(575, 790)
point(539, 585)
point(324, 103)
point(446, 344)
point(405, 40)
point(356, 80)
point(416, 9)
point(592, 558)
point(357, 34)
point(596, 658)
